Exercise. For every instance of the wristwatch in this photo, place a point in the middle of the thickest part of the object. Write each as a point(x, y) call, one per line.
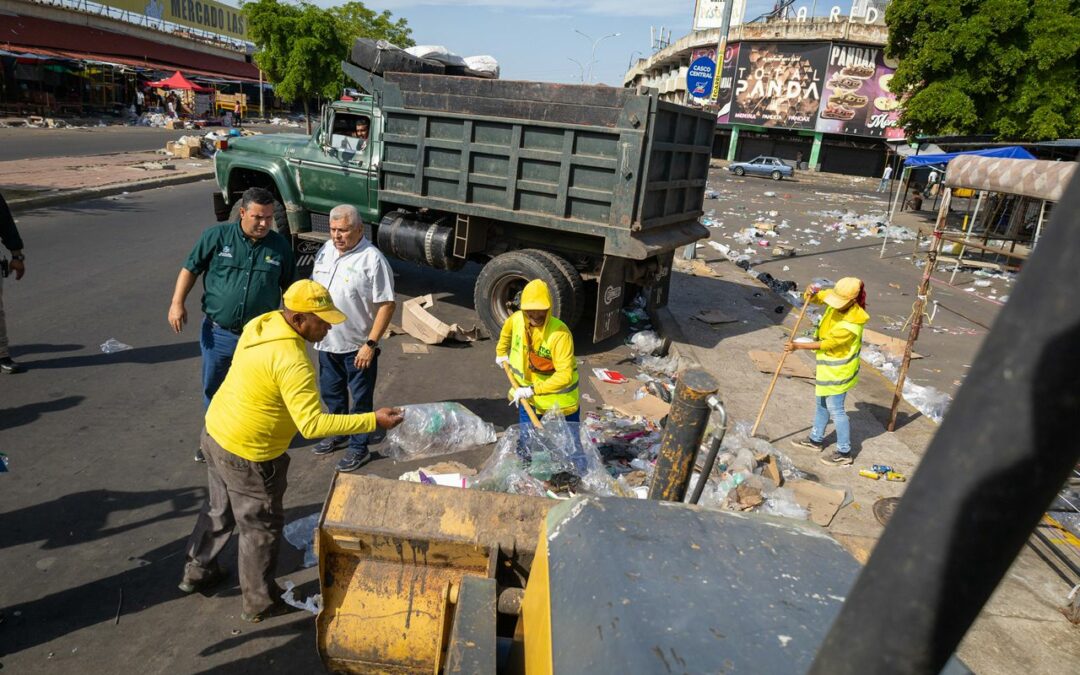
point(371, 343)
point(18, 256)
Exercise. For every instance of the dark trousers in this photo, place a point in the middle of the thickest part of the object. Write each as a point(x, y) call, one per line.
point(248, 496)
point(340, 379)
point(217, 346)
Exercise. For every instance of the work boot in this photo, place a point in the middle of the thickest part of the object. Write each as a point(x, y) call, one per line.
point(328, 445)
point(838, 459)
point(353, 461)
point(276, 609)
point(216, 576)
point(9, 367)
point(808, 443)
point(199, 456)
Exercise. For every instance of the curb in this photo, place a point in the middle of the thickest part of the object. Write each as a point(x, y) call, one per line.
point(84, 194)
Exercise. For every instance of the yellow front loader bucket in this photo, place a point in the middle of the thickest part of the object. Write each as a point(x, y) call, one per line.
point(392, 556)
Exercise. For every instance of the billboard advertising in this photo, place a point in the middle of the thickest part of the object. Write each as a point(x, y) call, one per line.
point(708, 14)
point(856, 99)
point(779, 84)
point(700, 75)
point(207, 15)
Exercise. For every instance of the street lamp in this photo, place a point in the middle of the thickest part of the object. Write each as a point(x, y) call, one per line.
point(595, 43)
point(632, 55)
point(581, 68)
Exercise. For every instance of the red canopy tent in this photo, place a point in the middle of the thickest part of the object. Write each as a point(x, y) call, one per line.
point(178, 81)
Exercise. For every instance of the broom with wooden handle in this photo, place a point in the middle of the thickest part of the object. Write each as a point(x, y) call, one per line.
point(779, 366)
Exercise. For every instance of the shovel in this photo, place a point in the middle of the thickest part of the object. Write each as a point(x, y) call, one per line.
point(528, 406)
point(776, 375)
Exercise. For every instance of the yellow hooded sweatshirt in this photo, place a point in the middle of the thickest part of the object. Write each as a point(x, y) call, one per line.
point(270, 393)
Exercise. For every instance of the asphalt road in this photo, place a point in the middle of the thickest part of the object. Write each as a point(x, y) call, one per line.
point(102, 491)
point(25, 142)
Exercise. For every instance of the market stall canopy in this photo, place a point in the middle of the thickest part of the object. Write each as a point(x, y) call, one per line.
point(1035, 178)
point(178, 81)
point(1009, 152)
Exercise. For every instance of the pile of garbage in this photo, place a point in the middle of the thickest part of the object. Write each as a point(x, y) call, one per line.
point(926, 399)
point(431, 429)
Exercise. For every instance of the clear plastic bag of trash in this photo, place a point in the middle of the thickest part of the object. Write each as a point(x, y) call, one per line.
point(665, 365)
point(301, 534)
point(506, 471)
point(430, 429)
point(112, 345)
point(781, 502)
point(646, 342)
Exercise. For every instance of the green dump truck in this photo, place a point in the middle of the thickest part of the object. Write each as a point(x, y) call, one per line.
point(589, 188)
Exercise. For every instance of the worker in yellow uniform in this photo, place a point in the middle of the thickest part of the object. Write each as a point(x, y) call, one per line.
point(837, 344)
point(268, 395)
point(540, 351)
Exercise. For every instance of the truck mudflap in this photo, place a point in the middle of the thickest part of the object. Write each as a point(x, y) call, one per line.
point(652, 275)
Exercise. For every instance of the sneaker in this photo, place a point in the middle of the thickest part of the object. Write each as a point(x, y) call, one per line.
point(808, 443)
point(838, 459)
point(199, 456)
point(276, 609)
point(353, 461)
point(9, 367)
point(328, 445)
point(206, 583)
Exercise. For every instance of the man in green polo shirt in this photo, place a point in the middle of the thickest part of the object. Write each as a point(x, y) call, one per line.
point(245, 266)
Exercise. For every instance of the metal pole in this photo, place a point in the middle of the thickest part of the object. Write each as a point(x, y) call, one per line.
point(682, 436)
point(919, 309)
point(262, 110)
point(1038, 228)
point(967, 233)
point(892, 211)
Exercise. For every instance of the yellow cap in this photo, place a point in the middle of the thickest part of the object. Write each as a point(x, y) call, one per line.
point(845, 290)
point(311, 297)
point(536, 295)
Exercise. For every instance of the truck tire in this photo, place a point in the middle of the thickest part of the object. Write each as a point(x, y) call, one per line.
point(739, 171)
point(281, 219)
point(776, 175)
point(498, 287)
point(577, 288)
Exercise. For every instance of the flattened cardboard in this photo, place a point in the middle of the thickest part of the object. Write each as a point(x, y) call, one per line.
point(621, 398)
point(822, 502)
point(894, 346)
point(793, 365)
point(419, 323)
point(715, 317)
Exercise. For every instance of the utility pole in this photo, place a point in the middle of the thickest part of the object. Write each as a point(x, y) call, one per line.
point(262, 110)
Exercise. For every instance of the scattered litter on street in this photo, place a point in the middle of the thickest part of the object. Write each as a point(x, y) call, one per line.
point(312, 604)
point(301, 534)
point(610, 376)
point(112, 345)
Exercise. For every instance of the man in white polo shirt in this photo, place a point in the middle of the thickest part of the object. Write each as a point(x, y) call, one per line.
point(361, 284)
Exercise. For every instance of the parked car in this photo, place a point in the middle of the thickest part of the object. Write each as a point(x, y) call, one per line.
point(773, 167)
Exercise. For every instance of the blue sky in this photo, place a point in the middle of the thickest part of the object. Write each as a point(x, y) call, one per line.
point(535, 39)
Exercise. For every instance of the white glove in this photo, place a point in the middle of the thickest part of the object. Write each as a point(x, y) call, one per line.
point(500, 360)
point(522, 393)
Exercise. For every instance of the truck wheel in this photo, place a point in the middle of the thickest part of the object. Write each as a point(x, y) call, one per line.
point(776, 175)
point(577, 289)
point(499, 285)
point(739, 171)
point(281, 219)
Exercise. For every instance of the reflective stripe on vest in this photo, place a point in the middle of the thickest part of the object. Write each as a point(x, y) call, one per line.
point(837, 375)
point(565, 398)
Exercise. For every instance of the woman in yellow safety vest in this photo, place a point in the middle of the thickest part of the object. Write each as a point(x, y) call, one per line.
point(837, 344)
point(540, 351)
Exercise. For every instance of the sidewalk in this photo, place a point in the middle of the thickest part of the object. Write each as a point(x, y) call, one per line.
point(1020, 629)
point(31, 183)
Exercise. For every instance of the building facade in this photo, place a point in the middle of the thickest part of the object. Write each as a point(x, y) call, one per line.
point(62, 57)
point(811, 90)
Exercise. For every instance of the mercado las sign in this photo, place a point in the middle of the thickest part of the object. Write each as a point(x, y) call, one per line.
point(207, 15)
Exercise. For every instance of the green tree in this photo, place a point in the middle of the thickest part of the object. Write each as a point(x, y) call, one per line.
point(300, 47)
point(358, 21)
point(1010, 68)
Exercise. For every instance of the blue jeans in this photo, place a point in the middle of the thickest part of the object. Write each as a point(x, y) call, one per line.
point(217, 346)
point(883, 186)
point(832, 406)
point(340, 379)
point(578, 457)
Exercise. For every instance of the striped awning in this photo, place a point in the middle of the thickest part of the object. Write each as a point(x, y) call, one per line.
point(1035, 178)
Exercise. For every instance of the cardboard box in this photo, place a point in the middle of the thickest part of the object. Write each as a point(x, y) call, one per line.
point(419, 323)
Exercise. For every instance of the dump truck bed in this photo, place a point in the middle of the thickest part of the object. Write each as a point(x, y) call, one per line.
point(612, 163)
